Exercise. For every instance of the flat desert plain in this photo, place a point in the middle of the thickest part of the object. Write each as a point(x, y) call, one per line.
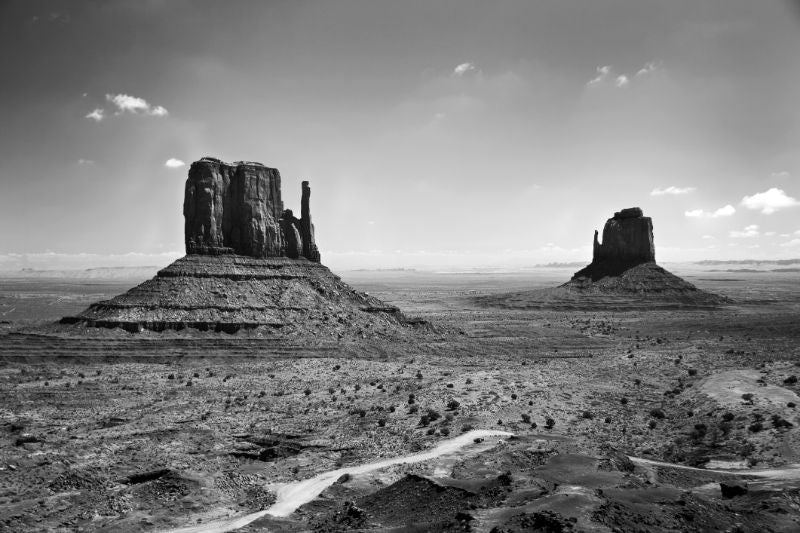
point(571, 416)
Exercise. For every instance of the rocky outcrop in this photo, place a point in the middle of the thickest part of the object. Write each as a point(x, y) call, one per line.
point(250, 264)
point(237, 209)
point(627, 242)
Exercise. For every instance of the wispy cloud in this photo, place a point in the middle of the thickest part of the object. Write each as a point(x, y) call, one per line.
point(791, 244)
point(87, 162)
point(725, 211)
point(126, 103)
point(174, 163)
point(781, 175)
point(671, 190)
point(602, 74)
point(621, 80)
point(769, 201)
point(97, 115)
point(648, 68)
point(749, 231)
point(463, 69)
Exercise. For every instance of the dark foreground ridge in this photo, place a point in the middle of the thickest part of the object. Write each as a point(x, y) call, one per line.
point(250, 264)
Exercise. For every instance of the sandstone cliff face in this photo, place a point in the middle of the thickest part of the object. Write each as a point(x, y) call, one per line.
point(627, 242)
point(237, 209)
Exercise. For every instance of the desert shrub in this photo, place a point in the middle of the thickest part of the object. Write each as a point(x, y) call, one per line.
point(657, 413)
point(449, 385)
point(82, 375)
point(779, 422)
point(467, 427)
point(307, 392)
point(331, 390)
point(623, 400)
point(382, 422)
point(791, 380)
point(755, 427)
point(587, 415)
point(189, 383)
point(445, 431)
point(747, 397)
point(411, 399)
point(196, 375)
point(699, 432)
point(549, 423)
point(453, 404)
point(336, 367)
point(607, 420)
point(171, 376)
point(652, 424)
point(419, 374)
point(468, 382)
point(534, 425)
point(430, 431)
point(727, 417)
point(791, 405)
point(513, 396)
point(526, 418)
point(692, 372)
point(637, 382)
point(433, 415)
point(413, 409)
point(357, 387)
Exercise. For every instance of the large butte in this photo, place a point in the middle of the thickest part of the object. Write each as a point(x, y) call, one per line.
point(249, 264)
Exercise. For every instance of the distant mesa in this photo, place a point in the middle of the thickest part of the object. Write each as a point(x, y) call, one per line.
point(249, 264)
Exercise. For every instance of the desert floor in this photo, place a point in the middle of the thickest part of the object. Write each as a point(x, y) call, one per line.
point(158, 431)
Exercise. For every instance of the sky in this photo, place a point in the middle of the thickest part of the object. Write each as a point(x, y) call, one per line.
point(433, 132)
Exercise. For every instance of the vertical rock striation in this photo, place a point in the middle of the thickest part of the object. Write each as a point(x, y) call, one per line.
point(237, 209)
point(627, 242)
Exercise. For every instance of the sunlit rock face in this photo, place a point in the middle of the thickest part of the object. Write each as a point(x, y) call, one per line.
point(237, 209)
point(627, 242)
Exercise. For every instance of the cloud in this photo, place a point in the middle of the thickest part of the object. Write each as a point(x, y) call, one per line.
point(86, 161)
point(174, 163)
point(97, 115)
point(671, 190)
point(708, 237)
point(463, 68)
point(126, 103)
point(602, 74)
point(781, 175)
point(725, 211)
point(648, 68)
point(749, 231)
point(792, 243)
point(622, 80)
point(769, 201)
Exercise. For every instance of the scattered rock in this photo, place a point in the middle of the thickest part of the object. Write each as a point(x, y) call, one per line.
point(732, 489)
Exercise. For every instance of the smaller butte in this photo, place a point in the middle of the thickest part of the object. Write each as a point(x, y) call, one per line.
point(623, 274)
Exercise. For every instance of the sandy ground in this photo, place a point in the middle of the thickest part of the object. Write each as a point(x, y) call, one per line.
point(163, 431)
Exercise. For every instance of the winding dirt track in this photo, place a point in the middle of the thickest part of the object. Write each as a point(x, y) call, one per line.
point(290, 496)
